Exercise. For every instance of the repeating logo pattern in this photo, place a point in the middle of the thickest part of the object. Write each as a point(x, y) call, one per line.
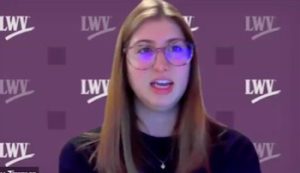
point(96, 25)
point(68, 82)
point(97, 88)
point(266, 151)
point(261, 88)
point(15, 25)
point(15, 89)
point(260, 25)
point(13, 153)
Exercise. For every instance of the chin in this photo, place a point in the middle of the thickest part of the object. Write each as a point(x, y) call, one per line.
point(162, 106)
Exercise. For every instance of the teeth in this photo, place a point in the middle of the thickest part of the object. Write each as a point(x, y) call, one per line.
point(161, 82)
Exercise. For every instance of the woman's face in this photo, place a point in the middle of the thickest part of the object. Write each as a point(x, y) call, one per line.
point(162, 85)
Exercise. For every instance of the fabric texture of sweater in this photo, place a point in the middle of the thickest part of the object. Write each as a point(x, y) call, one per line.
point(232, 152)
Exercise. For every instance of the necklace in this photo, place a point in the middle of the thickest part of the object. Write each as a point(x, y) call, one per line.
point(162, 162)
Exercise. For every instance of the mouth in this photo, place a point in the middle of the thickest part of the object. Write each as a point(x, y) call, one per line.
point(162, 86)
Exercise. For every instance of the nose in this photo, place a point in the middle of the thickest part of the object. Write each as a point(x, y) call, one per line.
point(161, 63)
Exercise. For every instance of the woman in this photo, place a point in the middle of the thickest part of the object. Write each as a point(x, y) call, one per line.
point(155, 120)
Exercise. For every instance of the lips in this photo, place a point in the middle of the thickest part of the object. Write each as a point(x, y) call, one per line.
point(161, 83)
point(162, 86)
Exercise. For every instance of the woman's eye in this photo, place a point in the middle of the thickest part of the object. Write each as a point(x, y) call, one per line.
point(176, 48)
point(145, 50)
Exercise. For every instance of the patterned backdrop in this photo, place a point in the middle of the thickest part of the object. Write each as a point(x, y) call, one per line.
point(55, 63)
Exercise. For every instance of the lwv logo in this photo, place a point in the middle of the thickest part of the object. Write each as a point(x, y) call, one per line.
point(262, 88)
point(15, 151)
point(95, 87)
point(98, 25)
point(188, 20)
point(15, 24)
point(262, 25)
point(16, 88)
point(265, 151)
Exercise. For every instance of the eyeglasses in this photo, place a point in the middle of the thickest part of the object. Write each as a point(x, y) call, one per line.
point(143, 55)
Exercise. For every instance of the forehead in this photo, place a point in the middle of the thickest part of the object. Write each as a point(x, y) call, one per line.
point(158, 31)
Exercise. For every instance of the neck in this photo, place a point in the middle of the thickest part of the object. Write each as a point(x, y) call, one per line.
point(155, 122)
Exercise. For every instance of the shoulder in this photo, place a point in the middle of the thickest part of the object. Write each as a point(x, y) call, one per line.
point(75, 155)
point(222, 135)
point(233, 151)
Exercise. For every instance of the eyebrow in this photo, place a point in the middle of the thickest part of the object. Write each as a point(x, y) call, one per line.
point(152, 42)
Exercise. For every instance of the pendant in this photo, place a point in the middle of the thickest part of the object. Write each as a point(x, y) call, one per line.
point(162, 166)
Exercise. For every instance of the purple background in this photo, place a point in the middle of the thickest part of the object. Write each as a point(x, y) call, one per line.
point(57, 55)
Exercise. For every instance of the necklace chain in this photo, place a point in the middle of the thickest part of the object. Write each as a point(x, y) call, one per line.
point(162, 162)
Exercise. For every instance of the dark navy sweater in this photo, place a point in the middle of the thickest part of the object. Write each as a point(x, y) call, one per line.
point(231, 152)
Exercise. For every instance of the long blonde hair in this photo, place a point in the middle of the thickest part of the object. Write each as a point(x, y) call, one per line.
point(114, 152)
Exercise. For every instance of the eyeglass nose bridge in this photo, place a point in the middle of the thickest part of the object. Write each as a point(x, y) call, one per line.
point(163, 51)
point(160, 49)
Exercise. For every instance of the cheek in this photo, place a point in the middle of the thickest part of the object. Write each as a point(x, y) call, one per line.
point(183, 77)
point(136, 79)
point(183, 73)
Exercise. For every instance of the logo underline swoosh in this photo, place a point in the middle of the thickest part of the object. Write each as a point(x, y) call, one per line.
point(19, 159)
point(10, 36)
point(92, 36)
point(93, 99)
point(254, 37)
point(194, 28)
point(265, 96)
point(269, 158)
point(19, 96)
